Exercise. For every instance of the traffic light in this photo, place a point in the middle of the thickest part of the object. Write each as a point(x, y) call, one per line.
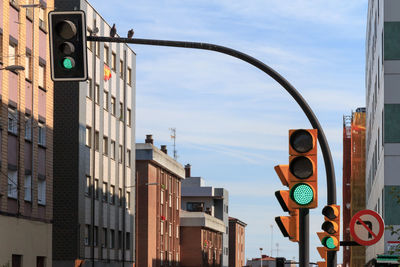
point(68, 45)
point(280, 261)
point(289, 225)
point(330, 238)
point(303, 168)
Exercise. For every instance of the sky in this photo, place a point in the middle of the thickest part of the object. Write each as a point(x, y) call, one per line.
point(231, 119)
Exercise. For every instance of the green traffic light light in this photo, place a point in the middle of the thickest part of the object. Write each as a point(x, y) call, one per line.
point(68, 63)
point(329, 242)
point(302, 194)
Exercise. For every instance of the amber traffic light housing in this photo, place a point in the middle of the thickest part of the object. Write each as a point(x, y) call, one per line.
point(289, 225)
point(302, 175)
point(330, 238)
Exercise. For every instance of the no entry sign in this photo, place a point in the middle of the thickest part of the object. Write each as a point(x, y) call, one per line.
point(366, 227)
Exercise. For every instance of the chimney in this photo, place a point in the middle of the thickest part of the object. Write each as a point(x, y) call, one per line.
point(164, 149)
point(149, 139)
point(187, 170)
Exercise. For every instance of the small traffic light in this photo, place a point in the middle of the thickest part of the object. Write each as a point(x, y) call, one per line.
point(330, 238)
point(303, 168)
point(280, 262)
point(289, 225)
point(68, 56)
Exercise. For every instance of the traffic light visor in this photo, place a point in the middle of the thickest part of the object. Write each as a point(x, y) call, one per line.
point(330, 212)
point(302, 194)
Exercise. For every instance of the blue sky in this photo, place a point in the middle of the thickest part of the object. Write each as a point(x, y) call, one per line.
point(231, 119)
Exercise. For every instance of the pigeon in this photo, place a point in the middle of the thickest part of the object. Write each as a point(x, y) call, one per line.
point(113, 31)
point(130, 33)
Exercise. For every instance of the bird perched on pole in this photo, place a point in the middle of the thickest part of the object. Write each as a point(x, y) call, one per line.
point(130, 33)
point(113, 31)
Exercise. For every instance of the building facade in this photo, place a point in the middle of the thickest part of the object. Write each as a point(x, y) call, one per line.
point(26, 133)
point(353, 181)
point(94, 135)
point(158, 196)
point(213, 201)
point(383, 118)
point(236, 242)
point(201, 239)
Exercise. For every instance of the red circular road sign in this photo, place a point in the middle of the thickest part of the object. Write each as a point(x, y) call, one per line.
point(366, 227)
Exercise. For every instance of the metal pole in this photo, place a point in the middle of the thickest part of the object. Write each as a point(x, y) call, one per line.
point(93, 136)
point(304, 240)
point(326, 153)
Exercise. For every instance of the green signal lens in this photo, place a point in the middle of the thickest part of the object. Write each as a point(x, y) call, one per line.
point(329, 242)
point(302, 194)
point(68, 63)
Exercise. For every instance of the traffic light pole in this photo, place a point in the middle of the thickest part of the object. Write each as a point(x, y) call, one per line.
point(304, 238)
point(329, 168)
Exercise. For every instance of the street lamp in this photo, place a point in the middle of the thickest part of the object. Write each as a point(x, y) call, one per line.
point(261, 264)
point(13, 68)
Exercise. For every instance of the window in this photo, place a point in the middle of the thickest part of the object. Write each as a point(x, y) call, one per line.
point(128, 116)
point(105, 100)
point(113, 61)
point(129, 76)
point(170, 230)
point(105, 145)
point(42, 134)
point(121, 111)
point(113, 105)
point(128, 241)
point(120, 153)
point(42, 23)
point(88, 141)
point(162, 257)
point(112, 194)
point(170, 200)
point(41, 191)
point(12, 121)
point(162, 196)
point(121, 68)
point(128, 199)
point(28, 128)
point(28, 64)
point(177, 203)
point(105, 195)
point(95, 236)
point(128, 157)
point(195, 206)
point(112, 238)
point(106, 55)
point(89, 88)
point(177, 232)
point(120, 196)
point(12, 184)
point(104, 244)
point(97, 48)
point(87, 235)
point(87, 188)
point(12, 54)
point(28, 188)
point(41, 76)
point(97, 93)
point(162, 227)
point(112, 149)
point(120, 241)
point(96, 141)
point(96, 188)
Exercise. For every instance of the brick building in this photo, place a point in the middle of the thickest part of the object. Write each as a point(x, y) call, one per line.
point(236, 242)
point(158, 192)
point(213, 201)
point(94, 165)
point(201, 239)
point(26, 133)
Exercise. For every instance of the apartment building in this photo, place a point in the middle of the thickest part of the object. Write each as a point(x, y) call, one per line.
point(353, 181)
point(201, 239)
point(236, 242)
point(158, 196)
point(196, 197)
point(26, 133)
point(383, 118)
point(94, 166)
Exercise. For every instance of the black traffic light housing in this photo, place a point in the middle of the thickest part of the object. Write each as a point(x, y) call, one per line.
point(68, 55)
point(280, 261)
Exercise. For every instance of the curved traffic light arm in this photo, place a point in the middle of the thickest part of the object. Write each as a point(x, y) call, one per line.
point(330, 172)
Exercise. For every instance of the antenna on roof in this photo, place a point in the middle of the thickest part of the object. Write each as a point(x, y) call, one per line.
point(173, 136)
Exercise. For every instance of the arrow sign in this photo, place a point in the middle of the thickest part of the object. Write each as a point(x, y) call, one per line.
point(367, 227)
